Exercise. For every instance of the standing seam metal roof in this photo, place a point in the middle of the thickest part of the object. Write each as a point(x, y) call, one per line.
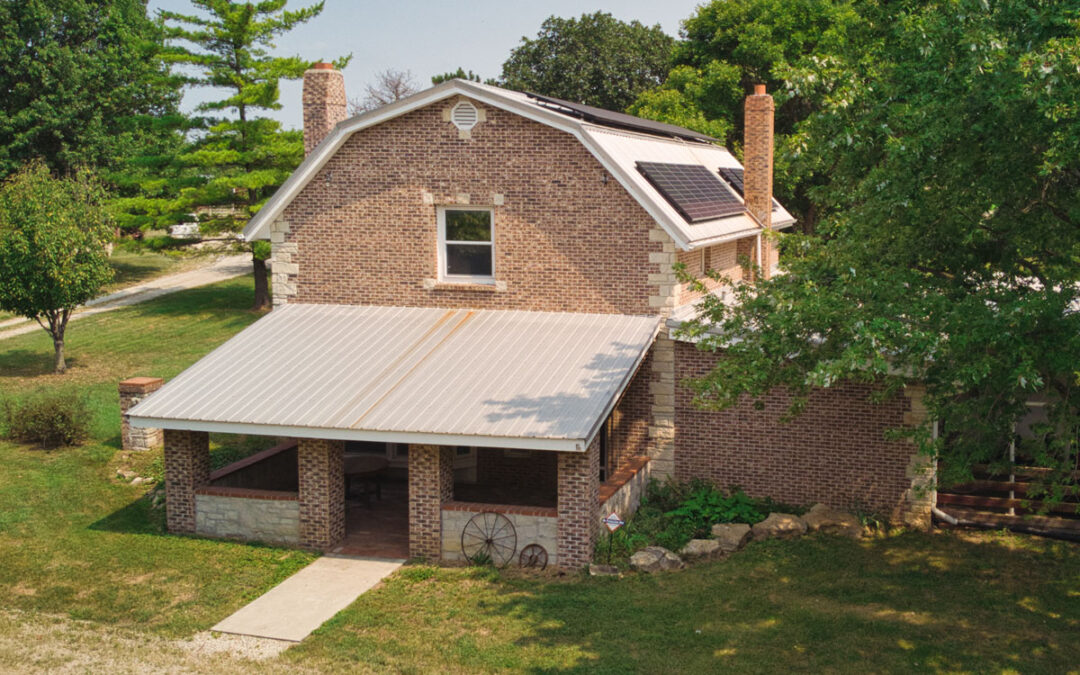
point(366, 372)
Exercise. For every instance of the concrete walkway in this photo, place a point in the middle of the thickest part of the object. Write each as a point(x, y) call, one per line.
point(225, 267)
point(304, 601)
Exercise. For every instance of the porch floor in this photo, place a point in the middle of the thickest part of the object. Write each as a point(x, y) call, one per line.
point(380, 528)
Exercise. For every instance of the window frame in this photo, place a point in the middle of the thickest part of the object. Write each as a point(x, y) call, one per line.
point(443, 243)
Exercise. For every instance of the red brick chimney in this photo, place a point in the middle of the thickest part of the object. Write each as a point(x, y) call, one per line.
point(324, 103)
point(758, 169)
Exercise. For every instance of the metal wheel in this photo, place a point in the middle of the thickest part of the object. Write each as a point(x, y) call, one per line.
point(489, 537)
point(533, 555)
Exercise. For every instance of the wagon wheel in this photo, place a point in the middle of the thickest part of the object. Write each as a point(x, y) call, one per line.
point(489, 536)
point(533, 555)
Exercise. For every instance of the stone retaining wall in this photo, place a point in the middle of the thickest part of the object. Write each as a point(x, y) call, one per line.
point(253, 515)
point(533, 525)
point(623, 491)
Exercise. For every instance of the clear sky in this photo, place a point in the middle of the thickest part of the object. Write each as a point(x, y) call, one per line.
point(428, 37)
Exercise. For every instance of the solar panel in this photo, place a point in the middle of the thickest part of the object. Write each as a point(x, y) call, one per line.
point(695, 191)
point(611, 118)
point(734, 177)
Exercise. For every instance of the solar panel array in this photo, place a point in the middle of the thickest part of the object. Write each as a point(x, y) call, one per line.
point(734, 177)
point(610, 118)
point(693, 190)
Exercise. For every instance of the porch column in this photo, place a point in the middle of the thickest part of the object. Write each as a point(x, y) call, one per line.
point(321, 468)
point(578, 506)
point(187, 467)
point(431, 484)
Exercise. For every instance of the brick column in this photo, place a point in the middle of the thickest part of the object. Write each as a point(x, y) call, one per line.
point(758, 168)
point(187, 467)
point(132, 391)
point(579, 485)
point(431, 484)
point(321, 467)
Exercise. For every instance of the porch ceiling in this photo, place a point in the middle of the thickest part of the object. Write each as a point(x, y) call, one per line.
point(492, 378)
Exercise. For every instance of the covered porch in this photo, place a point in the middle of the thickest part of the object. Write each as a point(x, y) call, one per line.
point(481, 415)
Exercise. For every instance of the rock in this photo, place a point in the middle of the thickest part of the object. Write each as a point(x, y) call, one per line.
point(138, 480)
point(126, 474)
point(654, 559)
point(701, 548)
point(731, 536)
point(603, 571)
point(826, 519)
point(780, 526)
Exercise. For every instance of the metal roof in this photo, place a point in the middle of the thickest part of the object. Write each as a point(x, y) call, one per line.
point(493, 378)
point(617, 150)
point(619, 120)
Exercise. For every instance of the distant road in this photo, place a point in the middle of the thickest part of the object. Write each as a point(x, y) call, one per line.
point(225, 267)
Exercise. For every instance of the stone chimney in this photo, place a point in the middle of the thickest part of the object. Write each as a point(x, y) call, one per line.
point(324, 103)
point(758, 169)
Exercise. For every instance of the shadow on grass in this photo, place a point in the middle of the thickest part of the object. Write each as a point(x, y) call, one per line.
point(138, 517)
point(29, 362)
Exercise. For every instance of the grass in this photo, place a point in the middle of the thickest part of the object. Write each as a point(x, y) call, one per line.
point(90, 582)
point(76, 541)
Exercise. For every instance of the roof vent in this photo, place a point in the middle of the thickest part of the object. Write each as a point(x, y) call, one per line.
point(464, 116)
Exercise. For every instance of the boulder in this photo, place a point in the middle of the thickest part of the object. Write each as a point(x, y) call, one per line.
point(603, 571)
point(701, 548)
point(780, 526)
point(826, 519)
point(731, 536)
point(655, 559)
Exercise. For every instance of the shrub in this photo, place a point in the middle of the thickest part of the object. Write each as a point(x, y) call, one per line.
point(705, 506)
point(50, 419)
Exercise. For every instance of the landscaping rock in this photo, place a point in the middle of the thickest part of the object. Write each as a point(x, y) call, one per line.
point(731, 536)
point(701, 548)
point(826, 519)
point(603, 571)
point(780, 526)
point(655, 559)
point(138, 480)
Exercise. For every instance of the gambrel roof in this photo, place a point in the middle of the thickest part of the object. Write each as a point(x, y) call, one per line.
point(615, 145)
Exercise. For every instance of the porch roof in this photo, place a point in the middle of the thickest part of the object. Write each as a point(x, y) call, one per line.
point(492, 378)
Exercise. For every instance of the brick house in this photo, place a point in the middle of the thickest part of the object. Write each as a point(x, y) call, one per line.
point(476, 287)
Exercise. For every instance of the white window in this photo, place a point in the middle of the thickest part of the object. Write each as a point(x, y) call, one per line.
point(466, 244)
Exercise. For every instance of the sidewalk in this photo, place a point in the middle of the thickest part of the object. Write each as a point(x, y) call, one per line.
point(226, 267)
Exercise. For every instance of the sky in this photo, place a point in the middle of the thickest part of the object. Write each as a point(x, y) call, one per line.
point(427, 37)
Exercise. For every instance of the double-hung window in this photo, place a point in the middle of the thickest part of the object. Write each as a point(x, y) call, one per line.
point(467, 244)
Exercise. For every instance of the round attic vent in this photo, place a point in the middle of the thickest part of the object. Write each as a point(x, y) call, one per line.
point(464, 116)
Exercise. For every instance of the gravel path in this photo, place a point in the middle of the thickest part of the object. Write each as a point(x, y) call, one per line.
point(225, 267)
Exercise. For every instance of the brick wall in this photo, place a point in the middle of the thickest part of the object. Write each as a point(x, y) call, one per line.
point(187, 467)
point(364, 231)
point(722, 258)
point(834, 453)
point(321, 472)
point(579, 485)
point(630, 419)
point(431, 484)
point(532, 475)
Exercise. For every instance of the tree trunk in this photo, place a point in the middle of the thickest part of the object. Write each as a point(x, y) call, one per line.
point(59, 365)
point(262, 290)
point(57, 328)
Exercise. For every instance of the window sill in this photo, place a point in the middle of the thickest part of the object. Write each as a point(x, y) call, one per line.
point(482, 286)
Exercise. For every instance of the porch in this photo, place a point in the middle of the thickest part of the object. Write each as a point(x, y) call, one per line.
point(491, 423)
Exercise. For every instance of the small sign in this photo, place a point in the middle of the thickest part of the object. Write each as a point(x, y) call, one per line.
point(613, 521)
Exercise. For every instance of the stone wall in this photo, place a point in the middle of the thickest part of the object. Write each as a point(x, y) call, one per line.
point(533, 525)
point(622, 493)
point(132, 391)
point(230, 514)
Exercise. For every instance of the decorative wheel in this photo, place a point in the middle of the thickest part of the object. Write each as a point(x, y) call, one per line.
point(489, 537)
point(533, 555)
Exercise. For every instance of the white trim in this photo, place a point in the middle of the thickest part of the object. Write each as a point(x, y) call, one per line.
point(443, 241)
point(416, 438)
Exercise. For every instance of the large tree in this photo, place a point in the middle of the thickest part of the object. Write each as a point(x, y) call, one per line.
point(53, 233)
point(949, 247)
point(80, 82)
point(727, 46)
point(595, 59)
point(241, 155)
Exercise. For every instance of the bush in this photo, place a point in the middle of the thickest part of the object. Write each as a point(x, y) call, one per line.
point(50, 419)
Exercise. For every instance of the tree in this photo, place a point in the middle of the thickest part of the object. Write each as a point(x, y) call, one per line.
point(948, 251)
point(390, 85)
point(728, 46)
point(241, 157)
point(461, 74)
point(81, 80)
point(596, 59)
point(53, 233)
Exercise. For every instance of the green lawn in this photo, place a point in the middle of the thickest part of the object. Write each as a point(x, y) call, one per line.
point(84, 562)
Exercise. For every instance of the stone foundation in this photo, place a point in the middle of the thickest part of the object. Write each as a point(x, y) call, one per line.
point(532, 525)
point(229, 513)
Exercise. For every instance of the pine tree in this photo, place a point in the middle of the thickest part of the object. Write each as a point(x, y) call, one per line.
point(240, 156)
